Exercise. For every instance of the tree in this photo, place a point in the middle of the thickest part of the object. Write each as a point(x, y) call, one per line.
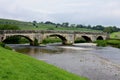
point(35, 24)
point(65, 24)
point(98, 27)
point(57, 25)
point(79, 26)
point(49, 22)
point(89, 27)
point(73, 25)
point(108, 29)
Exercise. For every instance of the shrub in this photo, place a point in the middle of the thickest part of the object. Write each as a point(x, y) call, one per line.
point(80, 40)
point(113, 42)
point(102, 43)
point(4, 46)
point(51, 40)
point(36, 42)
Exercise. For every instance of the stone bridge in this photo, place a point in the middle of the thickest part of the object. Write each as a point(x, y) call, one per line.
point(67, 37)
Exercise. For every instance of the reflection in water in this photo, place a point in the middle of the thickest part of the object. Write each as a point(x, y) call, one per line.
point(34, 51)
point(103, 63)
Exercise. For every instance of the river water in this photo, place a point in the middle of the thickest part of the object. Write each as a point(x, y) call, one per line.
point(96, 63)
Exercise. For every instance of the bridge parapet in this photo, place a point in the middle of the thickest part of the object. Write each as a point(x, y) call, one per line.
point(47, 31)
point(33, 31)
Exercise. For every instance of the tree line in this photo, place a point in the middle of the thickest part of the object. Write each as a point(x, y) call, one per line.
point(108, 29)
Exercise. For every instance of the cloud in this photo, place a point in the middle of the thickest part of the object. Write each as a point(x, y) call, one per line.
point(104, 12)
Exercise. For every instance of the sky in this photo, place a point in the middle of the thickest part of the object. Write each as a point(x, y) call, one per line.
point(86, 12)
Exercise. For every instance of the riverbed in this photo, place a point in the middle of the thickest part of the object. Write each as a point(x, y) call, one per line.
point(96, 63)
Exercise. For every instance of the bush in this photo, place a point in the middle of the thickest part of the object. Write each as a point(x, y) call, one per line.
point(102, 43)
point(36, 42)
point(51, 40)
point(12, 39)
point(119, 46)
point(113, 42)
point(4, 46)
point(80, 40)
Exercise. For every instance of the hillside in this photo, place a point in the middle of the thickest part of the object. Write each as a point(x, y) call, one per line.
point(41, 26)
point(115, 35)
point(16, 66)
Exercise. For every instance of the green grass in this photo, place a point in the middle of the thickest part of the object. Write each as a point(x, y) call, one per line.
point(102, 43)
point(111, 42)
point(41, 26)
point(115, 35)
point(53, 27)
point(17, 66)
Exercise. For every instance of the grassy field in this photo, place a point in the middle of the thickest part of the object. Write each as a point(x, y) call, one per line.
point(41, 26)
point(115, 35)
point(16, 66)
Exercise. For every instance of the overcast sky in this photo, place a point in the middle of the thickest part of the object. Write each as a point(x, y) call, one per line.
point(93, 12)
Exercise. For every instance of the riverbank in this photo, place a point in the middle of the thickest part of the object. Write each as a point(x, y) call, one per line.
point(16, 66)
point(109, 42)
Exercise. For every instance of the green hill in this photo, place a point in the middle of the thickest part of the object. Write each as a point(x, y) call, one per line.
point(115, 35)
point(41, 26)
point(17, 66)
point(21, 24)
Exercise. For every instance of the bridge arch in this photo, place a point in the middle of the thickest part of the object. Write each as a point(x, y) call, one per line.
point(64, 40)
point(87, 39)
point(26, 37)
point(100, 38)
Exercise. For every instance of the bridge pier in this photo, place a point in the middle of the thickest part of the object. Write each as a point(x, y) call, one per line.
point(69, 39)
point(0, 38)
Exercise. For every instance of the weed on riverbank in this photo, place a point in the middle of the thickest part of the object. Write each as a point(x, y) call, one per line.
point(111, 42)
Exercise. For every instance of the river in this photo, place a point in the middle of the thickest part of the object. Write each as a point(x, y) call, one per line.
point(96, 63)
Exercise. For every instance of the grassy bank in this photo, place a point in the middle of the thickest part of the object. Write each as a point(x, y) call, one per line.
point(115, 35)
point(16, 66)
point(111, 42)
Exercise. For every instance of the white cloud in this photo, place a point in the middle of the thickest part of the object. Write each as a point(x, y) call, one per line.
point(104, 12)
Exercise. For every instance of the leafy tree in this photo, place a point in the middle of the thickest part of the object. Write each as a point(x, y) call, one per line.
point(98, 27)
point(49, 22)
point(108, 29)
point(65, 24)
point(35, 24)
point(111, 29)
point(58, 25)
point(73, 25)
point(79, 26)
point(89, 27)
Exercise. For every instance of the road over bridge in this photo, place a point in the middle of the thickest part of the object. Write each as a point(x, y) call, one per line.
point(67, 37)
